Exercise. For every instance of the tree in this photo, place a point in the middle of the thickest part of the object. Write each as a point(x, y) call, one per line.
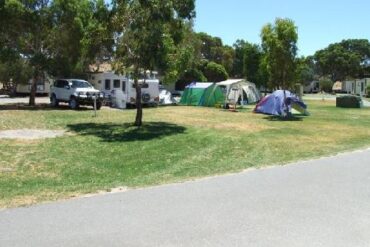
point(82, 34)
point(279, 42)
point(26, 27)
point(349, 58)
point(59, 37)
point(148, 32)
point(251, 62)
point(213, 50)
point(305, 70)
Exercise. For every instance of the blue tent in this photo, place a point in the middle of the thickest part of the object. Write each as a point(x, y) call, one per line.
point(273, 104)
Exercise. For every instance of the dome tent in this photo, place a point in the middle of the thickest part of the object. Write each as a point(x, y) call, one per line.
point(273, 104)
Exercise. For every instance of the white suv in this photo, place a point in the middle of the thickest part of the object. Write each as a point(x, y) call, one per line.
point(75, 92)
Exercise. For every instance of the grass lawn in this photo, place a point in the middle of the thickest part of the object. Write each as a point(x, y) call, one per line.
point(175, 144)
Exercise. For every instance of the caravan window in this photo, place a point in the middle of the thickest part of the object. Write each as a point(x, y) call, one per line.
point(124, 86)
point(107, 85)
point(116, 83)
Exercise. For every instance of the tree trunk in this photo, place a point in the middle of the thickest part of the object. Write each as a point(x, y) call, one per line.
point(33, 91)
point(139, 107)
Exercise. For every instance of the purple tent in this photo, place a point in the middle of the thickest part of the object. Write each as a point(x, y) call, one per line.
point(273, 104)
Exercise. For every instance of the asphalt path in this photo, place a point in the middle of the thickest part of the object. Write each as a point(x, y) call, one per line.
point(324, 202)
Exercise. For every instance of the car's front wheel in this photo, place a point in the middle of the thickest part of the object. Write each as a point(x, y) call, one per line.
point(53, 101)
point(73, 104)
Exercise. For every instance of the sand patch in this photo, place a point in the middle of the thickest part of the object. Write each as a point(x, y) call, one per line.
point(30, 134)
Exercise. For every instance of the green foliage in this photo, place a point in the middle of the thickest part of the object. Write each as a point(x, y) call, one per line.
point(150, 32)
point(305, 70)
point(344, 59)
point(189, 76)
point(215, 72)
point(251, 63)
point(368, 91)
point(326, 85)
point(184, 58)
point(17, 70)
point(213, 50)
point(279, 42)
point(248, 62)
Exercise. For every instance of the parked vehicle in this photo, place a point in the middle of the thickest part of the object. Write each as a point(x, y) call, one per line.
point(75, 92)
point(357, 86)
point(42, 86)
point(312, 87)
point(109, 83)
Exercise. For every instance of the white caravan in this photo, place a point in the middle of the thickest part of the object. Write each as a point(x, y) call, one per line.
point(114, 85)
point(359, 86)
point(43, 86)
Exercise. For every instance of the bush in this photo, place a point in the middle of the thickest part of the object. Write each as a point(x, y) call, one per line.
point(326, 85)
point(368, 91)
point(191, 75)
point(215, 72)
point(349, 101)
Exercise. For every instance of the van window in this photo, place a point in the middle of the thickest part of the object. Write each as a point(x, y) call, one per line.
point(116, 83)
point(107, 85)
point(124, 86)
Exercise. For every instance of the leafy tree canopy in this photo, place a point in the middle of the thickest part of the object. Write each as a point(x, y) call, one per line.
point(349, 58)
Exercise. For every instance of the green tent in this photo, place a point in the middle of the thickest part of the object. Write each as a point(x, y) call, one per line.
point(193, 94)
point(213, 96)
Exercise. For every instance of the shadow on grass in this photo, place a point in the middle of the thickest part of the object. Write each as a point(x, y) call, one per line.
point(127, 132)
point(291, 118)
point(38, 107)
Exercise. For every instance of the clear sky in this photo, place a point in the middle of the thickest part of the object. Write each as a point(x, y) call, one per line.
point(319, 22)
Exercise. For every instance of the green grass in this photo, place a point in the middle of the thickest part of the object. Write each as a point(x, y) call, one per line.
point(175, 144)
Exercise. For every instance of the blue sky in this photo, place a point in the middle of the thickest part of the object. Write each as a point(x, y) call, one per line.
point(319, 22)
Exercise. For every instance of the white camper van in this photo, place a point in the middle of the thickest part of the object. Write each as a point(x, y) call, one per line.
point(110, 83)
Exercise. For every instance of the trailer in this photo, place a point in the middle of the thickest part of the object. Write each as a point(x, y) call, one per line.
point(357, 86)
point(113, 85)
point(360, 86)
point(42, 86)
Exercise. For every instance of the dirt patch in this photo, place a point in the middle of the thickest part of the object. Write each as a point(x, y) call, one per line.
point(30, 134)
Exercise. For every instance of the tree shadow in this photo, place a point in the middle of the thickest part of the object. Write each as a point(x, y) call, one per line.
point(39, 107)
point(291, 118)
point(126, 132)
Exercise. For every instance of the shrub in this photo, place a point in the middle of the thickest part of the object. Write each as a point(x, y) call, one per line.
point(368, 91)
point(215, 72)
point(326, 85)
point(349, 101)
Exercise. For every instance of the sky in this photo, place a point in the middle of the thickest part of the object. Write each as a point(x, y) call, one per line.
point(319, 23)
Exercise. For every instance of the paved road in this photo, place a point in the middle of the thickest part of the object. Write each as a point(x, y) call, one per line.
point(325, 202)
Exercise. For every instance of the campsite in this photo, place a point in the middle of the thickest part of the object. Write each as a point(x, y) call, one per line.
point(177, 143)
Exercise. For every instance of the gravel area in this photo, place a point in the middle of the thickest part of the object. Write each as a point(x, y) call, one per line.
point(4, 100)
point(30, 134)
